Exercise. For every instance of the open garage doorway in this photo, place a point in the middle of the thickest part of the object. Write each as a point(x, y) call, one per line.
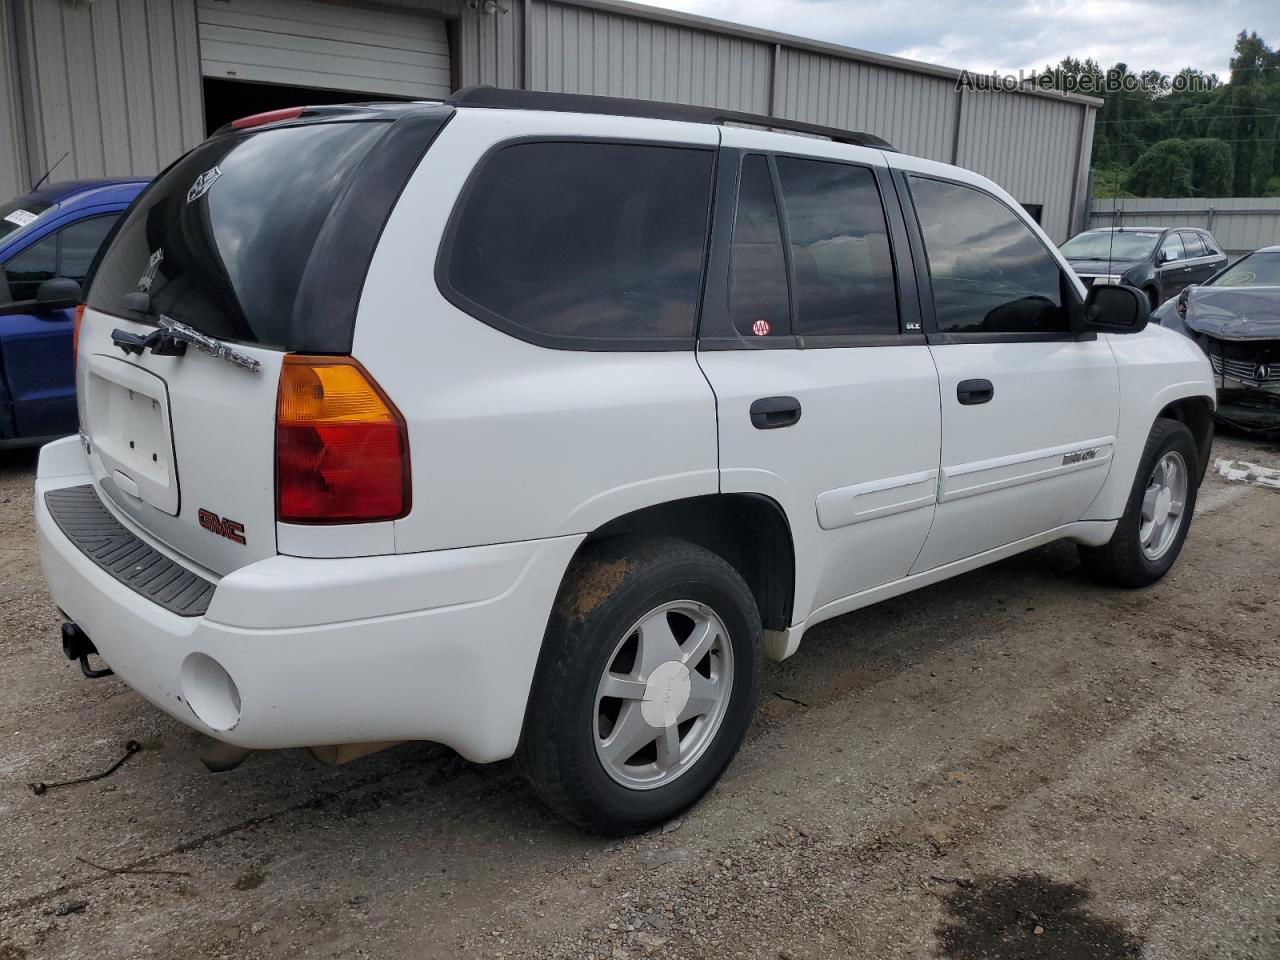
point(258, 55)
point(227, 100)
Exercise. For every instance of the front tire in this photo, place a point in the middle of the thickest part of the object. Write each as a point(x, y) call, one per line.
point(1154, 526)
point(646, 685)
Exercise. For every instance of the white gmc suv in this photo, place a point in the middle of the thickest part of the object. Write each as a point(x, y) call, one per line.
point(528, 423)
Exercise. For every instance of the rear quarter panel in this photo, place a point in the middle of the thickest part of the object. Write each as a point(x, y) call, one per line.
point(512, 441)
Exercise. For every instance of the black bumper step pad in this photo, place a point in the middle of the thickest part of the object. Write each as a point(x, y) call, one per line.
point(80, 515)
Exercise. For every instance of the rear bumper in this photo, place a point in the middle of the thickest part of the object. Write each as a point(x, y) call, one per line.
point(432, 646)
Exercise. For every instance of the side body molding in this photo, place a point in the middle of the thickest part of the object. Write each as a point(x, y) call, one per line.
point(877, 498)
point(1000, 473)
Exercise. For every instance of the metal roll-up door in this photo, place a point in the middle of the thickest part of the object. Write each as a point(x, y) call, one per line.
point(331, 46)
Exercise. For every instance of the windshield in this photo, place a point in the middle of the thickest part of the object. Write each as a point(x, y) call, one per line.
point(221, 241)
point(1110, 245)
point(1255, 270)
point(16, 214)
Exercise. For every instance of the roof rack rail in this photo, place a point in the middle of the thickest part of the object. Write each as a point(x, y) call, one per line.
point(502, 99)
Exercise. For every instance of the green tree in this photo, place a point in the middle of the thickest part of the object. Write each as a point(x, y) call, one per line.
point(1212, 167)
point(1195, 136)
point(1164, 170)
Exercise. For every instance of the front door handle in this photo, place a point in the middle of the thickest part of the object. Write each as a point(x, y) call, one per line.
point(769, 413)
point(970, 392)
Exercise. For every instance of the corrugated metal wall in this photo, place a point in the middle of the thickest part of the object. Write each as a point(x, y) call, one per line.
point(1240, 224)
point(14, 178)
point(1029, 145)
point(389, 52)
point(915, 112)
point(118, 84)
point(490, 47)
point(579, 50)
point(113, 83)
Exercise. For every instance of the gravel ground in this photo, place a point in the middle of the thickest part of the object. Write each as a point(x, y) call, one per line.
point(1016, 763)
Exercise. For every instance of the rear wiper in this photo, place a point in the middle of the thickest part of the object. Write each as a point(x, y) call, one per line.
point(171, 338)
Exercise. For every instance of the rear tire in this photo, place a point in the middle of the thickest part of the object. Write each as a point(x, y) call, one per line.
point(619, 764)
point(1158, 514)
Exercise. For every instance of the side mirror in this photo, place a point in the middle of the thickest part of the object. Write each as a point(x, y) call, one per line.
point(57, 294)
point(1161, 258)
point(1116, 309)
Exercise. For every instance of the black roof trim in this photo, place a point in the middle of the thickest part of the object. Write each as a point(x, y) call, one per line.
point(500, 99)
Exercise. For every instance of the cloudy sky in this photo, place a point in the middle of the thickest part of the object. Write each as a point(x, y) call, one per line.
point(1008, 36)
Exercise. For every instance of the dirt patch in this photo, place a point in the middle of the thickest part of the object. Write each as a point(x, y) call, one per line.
point(596, 580)
point(1014, 918)
point(251, 879)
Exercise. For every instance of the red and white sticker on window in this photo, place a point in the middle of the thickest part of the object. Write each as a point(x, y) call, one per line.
point(761, 328)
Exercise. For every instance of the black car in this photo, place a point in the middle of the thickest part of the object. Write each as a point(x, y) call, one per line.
point(1161, 261)
point(1235, 317)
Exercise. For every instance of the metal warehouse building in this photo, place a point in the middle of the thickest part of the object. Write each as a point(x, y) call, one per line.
point(125, 86)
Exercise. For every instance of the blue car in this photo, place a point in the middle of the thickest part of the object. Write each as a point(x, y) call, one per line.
point(48, 239)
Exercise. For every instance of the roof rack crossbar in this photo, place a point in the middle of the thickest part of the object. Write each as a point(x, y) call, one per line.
point(498, 98)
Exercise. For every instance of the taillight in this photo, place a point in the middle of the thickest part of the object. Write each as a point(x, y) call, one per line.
point(75, 335)
point(342, 449)
point(271, 116)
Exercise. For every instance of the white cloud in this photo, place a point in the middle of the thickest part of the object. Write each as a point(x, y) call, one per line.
point(985, 35)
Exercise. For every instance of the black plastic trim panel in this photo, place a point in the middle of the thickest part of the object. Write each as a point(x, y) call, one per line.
point(103, 539)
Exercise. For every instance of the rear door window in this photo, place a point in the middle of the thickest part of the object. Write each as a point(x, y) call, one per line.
point(989, 272)
point(758, 298)
point(1193, 245)
point(583, 244)
point(221, 241)
point(840, 255)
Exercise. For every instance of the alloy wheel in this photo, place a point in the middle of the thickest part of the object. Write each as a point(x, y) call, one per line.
point(1163, 504)
point(663, 694)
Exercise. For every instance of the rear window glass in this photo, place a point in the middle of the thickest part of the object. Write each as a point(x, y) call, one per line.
point(579, 241)
point(221, 241)
point(19, 213)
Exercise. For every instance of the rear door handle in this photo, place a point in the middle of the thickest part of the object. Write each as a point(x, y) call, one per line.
point(769, 413)
point(970, 392)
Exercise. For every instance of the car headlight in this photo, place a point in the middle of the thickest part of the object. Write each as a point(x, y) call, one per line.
point(1110, 278)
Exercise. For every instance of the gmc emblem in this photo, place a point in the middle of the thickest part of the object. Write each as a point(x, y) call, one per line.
point(230, 529)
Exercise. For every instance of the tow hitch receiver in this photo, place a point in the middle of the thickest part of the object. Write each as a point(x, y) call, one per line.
point(77, 646)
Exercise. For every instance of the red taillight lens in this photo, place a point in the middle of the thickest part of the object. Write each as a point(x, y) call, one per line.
point(75, 335)
point(271, 116)
point(342, 449)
